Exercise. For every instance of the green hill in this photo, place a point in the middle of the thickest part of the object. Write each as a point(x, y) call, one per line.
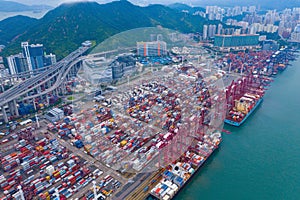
point(13, 27)
point(63, 29)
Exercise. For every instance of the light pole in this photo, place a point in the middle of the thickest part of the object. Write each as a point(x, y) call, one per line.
point(37, 120)
point(21, 192)
point(95, 190)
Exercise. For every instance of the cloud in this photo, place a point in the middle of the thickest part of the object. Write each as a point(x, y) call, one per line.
point(55, 3)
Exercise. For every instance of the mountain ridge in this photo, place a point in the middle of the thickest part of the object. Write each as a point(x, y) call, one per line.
point(63, 29)
point(13, 27)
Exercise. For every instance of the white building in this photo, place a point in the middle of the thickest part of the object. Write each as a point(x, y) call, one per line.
point(205, 29)
point(97, 70)
point(212, 30)
point(54, 115)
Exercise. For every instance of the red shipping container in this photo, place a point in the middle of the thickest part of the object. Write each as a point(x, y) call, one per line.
point(41, 143)
point(23, 149)
point(76, 167)
point(12, 174)
point(73, 182)
point(82, 181)
point(14, 154)
point(21, 155)
point(74, 171)
point(62, 197)
point(7, 187)
point(73, 179)
point(10, 179)
point(68, 173)
point(42, 166)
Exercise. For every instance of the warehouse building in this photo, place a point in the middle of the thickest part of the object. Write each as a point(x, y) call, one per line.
point(123, 65)
point(236, 42)
point(54, 115)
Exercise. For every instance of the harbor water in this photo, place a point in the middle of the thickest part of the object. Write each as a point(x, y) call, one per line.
point(260, 159)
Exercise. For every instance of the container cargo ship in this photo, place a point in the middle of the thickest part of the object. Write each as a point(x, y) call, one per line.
point(243, 108)
point(180, 172)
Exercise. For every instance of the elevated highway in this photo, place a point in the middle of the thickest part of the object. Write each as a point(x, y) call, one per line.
point(52, 77)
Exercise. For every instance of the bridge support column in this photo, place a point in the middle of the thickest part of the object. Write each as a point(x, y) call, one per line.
point(47, 99)
point(26, 101)
point(73, 71)
point(11, 108)
point(48, 84)
point(55, 92)
point(2, 87)
point(34, 106)
point(63, 89)
point(16, 108)
point(4, 114)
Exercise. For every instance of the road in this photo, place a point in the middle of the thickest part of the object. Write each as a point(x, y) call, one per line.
point(132, 187)
point(139, 192)
point(33, 82)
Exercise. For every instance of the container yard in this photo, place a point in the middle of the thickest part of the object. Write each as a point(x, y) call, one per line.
point(169, 121)
point(42, 167)
point(265, 63)
point(128, 129)
point(255, 69)
point(135, 128)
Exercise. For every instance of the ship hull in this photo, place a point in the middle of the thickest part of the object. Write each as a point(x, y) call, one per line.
point(237, 124)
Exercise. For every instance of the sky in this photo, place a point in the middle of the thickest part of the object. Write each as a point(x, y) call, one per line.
point(279, 4)
point(55, 3)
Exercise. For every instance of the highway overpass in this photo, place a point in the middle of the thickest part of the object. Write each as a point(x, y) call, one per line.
point(52, 79)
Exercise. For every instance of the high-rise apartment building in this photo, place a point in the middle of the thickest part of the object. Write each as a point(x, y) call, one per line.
point(205, 29)
point(212, 30)
point(34, 55)
point(31, 58)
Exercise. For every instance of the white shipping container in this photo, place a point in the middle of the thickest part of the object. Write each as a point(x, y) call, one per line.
point(165, 192)
point(49, 170)
point(171, 193)
point(166, 197)
point(175, 187)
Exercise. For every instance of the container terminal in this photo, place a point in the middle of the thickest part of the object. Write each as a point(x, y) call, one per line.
point(138, 134)
point(245, 94)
